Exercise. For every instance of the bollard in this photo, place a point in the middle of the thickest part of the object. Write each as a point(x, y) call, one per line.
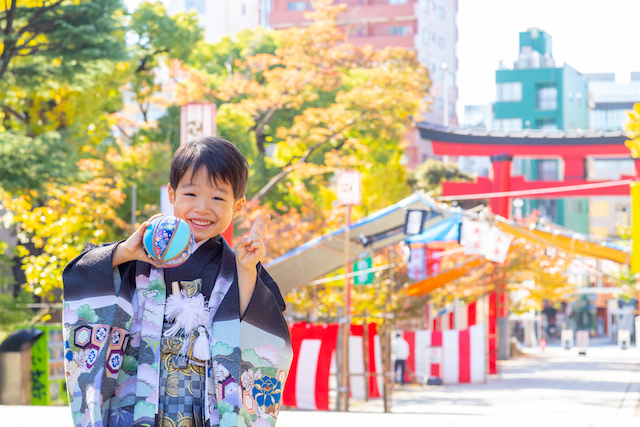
point(624, 339)
point(566, 338)
point(434, 357)
point(582, 342)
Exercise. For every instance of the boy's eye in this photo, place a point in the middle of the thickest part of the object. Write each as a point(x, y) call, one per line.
point(190, 194)
point(218, 198)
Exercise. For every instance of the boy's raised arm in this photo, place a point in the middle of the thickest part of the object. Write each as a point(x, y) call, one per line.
point(249, 251)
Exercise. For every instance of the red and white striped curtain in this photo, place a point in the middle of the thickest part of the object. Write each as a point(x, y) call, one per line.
point(463, 355)
point(313, 363)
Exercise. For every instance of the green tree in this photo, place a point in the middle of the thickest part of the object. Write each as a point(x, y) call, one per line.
point(155, 39)
point(430, 175)
point(57, 38)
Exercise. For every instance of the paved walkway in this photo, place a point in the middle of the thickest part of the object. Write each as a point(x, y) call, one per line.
point(557, 387)
point(554, 388)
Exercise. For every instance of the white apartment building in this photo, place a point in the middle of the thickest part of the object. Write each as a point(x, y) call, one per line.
point(221, 18)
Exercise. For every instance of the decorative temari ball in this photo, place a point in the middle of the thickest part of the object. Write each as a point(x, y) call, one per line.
point(168, 241)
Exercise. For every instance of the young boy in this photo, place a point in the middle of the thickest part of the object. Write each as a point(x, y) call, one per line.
point(130, 358)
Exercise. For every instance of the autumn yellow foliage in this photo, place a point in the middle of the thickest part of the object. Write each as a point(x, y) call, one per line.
point(53, 232)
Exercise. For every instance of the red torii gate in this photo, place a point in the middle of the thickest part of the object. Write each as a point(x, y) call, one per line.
point(573, 147)
point(501, 147)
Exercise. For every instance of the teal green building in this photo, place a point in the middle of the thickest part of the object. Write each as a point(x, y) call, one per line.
point(537, 95)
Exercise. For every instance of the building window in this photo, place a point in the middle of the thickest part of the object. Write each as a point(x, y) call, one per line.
point(611, 169)
point(244, 9)
point(441, 12)
point(547, 97)
point(441, 42)
point(197, 5)
point(440, 73)
point(433, 6)
point(547, 170)
point(425, 6)
point(546, 124)
point(297, 5)
point(402, 30)
point(425, 37)
point(433, 37)
point(398, 1)
point(614, 119)
point(452, 80)
point(509, 92)
point(507, 125)
point(452, 108)
point(440, 104)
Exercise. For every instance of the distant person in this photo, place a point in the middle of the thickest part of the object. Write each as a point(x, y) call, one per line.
point(401, 353)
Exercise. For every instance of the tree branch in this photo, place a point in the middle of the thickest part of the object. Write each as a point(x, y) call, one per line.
point(265, 120)
point(123, 131)
point(8, 51)
point(290, 168)
point(38, 14)
point(14, 113)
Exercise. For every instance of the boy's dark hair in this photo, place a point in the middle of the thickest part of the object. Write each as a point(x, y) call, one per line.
point(223, 161)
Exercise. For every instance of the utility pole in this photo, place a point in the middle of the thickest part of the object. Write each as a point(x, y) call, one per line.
point(349, 194)
point(343, 388)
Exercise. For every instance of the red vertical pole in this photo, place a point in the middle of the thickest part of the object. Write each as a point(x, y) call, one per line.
point(228, 234)
point(493, 326)
point(501, 166)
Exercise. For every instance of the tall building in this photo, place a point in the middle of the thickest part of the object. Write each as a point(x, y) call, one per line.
point(536, 94)
point(221, 18)
point(426, 26)
point(609, 100)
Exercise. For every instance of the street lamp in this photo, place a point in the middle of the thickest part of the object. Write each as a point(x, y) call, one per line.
point(445, 94)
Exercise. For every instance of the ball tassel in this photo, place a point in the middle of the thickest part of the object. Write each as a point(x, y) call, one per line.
point(201, 348)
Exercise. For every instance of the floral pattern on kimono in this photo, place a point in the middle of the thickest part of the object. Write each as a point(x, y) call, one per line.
point(113, 336)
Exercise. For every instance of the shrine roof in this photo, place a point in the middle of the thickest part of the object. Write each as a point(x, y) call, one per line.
point(460, 141)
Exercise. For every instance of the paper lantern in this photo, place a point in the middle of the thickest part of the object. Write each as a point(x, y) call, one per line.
point(168, 241)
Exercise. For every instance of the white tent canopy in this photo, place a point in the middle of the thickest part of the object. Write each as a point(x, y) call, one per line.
point(324, 254)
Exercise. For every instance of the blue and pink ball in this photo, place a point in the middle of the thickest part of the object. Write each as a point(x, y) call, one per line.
point(168, 241)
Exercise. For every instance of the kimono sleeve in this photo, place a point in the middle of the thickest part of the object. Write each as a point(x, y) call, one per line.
point(271, 284)
point(96, 322)
point(266, 353)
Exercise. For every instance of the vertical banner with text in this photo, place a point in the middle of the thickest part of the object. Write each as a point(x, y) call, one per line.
point(197, 119)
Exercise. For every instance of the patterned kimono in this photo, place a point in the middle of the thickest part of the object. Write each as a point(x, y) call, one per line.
point(122, 371)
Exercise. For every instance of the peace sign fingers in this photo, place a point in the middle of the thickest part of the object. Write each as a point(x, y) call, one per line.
point(250, 249)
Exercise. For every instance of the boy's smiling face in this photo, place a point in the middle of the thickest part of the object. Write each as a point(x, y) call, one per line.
point(207, 206)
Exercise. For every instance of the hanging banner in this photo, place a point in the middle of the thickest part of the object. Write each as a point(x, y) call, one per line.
point(414, 222)
point(349, 188)
point(497, 246)
point(416, 266)
point(363, 278)
point(197, 119)
point(433, 261)
point(474, 236)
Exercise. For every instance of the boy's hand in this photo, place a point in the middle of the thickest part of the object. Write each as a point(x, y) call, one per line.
point(250, 249)
point(132, 249)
